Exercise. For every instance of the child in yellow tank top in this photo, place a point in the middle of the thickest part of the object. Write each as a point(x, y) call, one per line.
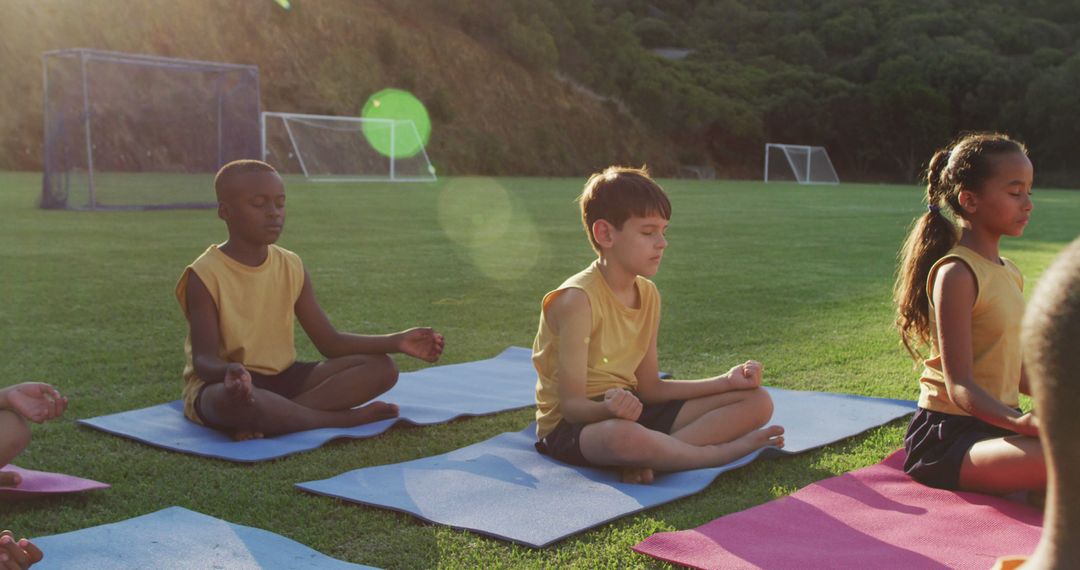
point(255, 316)
point(240, 299)
point(957, 295)
point(599, 397)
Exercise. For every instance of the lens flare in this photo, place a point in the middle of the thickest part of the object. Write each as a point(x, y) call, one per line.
point(404, 140)
point(478, 215)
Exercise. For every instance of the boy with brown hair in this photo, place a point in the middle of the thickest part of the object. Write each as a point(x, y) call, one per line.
point(1050, 336)
point(240, 299)
point(600, 400)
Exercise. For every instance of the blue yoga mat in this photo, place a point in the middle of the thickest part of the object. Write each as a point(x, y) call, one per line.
point(429, 396)
point(503, 488)
point(178, 538)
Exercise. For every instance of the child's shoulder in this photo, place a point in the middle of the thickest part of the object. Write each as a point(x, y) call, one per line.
point(285, 253)
point(647, 287)
point(567, 301)
point(958, 262)
point(209, 256)
point(967, 261)
point(587, 273)
point(960, 252)
point(571, 293)
point(580, 280)
point(646, 282)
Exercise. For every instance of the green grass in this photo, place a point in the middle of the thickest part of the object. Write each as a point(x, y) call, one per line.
point(125, 190)
point(798, 278)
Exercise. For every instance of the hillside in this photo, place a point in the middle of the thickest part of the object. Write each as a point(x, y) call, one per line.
point(561, 87)
point(491, 113)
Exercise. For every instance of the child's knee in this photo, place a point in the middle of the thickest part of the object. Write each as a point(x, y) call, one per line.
point(761, 405)
point(14, 435)
point(373, 370)
point(385, 371)
point(625, 441)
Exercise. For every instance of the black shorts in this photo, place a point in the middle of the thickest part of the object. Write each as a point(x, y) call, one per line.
point(288, 383)
point(563, 443)
point(936, 444)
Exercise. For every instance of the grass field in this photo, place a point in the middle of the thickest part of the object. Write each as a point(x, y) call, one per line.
point(798, 278)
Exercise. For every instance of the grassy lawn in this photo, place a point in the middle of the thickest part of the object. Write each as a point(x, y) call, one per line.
point(799, 278)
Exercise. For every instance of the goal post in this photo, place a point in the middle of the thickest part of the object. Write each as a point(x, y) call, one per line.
point(802, 163)
point(329, 148)
point(131, 131)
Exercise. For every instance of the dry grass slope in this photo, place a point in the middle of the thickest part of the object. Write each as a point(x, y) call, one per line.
point(491, 115)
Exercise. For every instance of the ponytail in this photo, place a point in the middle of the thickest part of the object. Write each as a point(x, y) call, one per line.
point(931, 237)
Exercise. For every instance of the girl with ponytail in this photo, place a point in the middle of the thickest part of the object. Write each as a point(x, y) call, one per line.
point(961, 301)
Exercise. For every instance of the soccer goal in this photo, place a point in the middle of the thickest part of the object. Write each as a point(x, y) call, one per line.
point(125, 131)
point(803, 164)
point(328, 148)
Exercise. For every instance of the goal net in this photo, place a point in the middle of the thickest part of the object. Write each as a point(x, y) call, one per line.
point(327, 148)
point(800, 163)
point(125, 131)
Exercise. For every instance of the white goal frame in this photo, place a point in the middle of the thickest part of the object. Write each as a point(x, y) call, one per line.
point(394, 124)
point(809, 150)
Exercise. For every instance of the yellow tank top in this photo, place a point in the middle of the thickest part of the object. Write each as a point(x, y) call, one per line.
point(618, 342)
point(995, 333)
point(255, 312)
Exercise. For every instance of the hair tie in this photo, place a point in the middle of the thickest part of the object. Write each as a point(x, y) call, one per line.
point(933, 208)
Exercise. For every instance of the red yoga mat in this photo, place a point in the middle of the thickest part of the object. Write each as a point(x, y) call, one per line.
point(876, 517)
point(45, 483)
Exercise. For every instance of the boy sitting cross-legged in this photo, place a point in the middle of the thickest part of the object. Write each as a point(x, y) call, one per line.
point(240, 298)
point(599, 397)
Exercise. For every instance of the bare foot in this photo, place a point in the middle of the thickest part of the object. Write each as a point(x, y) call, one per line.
point(9, 479)
point(772, 436)
point(244, 435)
point(636, 475)
point(374, 412)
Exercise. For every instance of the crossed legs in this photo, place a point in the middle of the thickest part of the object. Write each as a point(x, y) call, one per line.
point(328, 399)
point(708, 431)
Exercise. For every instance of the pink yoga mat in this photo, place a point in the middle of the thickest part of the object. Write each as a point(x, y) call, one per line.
point(43, 483)
point(876, 517)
